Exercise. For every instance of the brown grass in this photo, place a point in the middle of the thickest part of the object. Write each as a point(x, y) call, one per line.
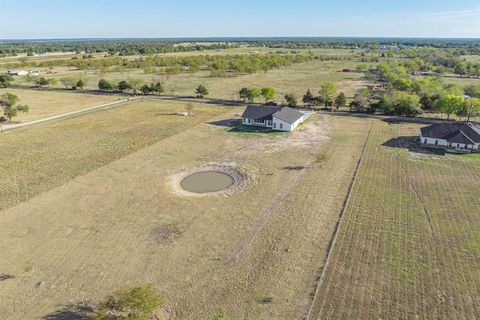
point(100, 231)
point(43, 157)
point(44, 104)
point(295, 79)
point(408, 247)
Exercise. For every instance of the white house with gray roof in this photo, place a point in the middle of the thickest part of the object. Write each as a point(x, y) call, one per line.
point(456, 137)
point(275, 117)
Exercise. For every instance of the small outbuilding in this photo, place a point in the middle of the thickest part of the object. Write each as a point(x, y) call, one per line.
point(276, 117)
point(23, 73)
point(459, 137)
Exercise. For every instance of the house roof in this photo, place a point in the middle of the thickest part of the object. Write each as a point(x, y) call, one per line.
point(288, 115)
point(465, 133)
point(459, 137)
point(260, 112)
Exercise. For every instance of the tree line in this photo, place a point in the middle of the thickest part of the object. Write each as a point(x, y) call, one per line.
point(154, 46)
point(111, 47)
point(404, 95)
point(217, 64)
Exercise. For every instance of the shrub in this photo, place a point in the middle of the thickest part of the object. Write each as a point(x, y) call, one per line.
point(220, 316)
point(138, 303)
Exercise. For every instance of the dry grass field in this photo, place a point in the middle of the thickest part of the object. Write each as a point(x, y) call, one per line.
point(87, 209)
point(39, 158)
point(102, 228)
point(409, 245)
point(44, 104)
point(295, 79)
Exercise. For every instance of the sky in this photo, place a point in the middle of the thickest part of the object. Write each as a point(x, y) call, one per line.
point(43, 19)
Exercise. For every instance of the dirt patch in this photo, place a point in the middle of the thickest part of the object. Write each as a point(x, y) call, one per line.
point(237, 173)
point(313, 132)
point(167, 233)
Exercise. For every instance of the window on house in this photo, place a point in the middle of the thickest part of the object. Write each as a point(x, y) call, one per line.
point(281, 125)
point(425, 141)
point(436, 142)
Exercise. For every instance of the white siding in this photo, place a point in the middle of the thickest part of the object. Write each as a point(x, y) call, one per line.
point(281, 125)
point(433, 141)
point(446, 144)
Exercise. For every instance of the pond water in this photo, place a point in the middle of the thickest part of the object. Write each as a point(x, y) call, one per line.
point(207, 182)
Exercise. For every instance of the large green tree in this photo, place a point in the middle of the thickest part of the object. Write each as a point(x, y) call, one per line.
point(327, 93)
point(268, 93)
point(10, 107)
point(124, 86)
point(135, 84)
point(361, 101)
point(5, 80)
point(244, 94)
point(157, 88)
point(201, 91)
point(449, 104)
point(105, 85)
point(308, 98)
point(406, 104)
point(291, 100)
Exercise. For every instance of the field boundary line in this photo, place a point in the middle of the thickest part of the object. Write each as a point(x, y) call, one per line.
point(266, 215)
point(332, 242)
point(66, 115)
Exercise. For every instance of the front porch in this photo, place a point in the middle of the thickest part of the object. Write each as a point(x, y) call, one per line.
point(258, 122)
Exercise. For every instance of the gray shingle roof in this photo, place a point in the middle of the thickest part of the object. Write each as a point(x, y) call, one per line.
point(453, 132)
point(288, 115)
point(260, 112)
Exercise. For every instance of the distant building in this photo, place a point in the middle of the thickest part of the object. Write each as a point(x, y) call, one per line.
point(23, 73)
point(276, 117)
point(456, 137)
point(18, 72)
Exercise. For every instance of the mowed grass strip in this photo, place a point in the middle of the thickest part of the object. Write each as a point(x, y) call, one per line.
point(45, 104)
point(39, 158)
point(410, 242)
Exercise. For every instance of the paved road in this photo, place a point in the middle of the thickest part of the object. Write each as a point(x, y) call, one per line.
point(6, 127)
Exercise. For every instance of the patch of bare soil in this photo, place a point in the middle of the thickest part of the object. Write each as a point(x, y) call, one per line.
point(166, 233)
point(313, 132)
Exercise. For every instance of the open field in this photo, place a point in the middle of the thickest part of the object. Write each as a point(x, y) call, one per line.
point(44, 104)
point(240, 50)
point(337, 220)
point(461, 81)
point(409, 244)
point(262, 247)
point(39, 58)
point(39, 158)
point(296, 79)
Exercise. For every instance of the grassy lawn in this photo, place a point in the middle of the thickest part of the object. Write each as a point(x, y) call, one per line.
point(44, 104)
point(408, 246)
point(40, 158)
point(262, 246)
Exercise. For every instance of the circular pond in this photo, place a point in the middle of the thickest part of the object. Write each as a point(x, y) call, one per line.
point(207, 182)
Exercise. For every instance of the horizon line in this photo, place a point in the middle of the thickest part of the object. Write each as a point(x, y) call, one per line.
point(240, 37)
